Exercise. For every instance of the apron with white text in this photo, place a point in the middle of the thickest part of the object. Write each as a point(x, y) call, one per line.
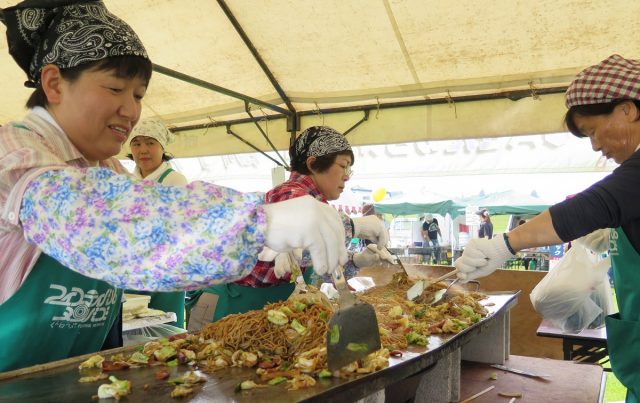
point(623, 328)
point(56, 313)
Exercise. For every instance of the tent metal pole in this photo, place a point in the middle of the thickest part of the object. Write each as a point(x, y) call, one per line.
point(513, 95)
point(255, 121)
point(256, 55)
point(293, 123)
point(229, 131)
point(364, 118)
point(205, 84)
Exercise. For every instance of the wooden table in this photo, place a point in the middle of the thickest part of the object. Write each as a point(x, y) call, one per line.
point(569, 381)
point(590, 345)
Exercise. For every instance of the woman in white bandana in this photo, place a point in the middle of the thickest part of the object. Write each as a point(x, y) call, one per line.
point(148, 144)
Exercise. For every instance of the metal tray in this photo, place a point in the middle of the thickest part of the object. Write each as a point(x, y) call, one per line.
point(58, 381)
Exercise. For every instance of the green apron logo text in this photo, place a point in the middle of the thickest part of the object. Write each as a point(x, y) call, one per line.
point(81, 309)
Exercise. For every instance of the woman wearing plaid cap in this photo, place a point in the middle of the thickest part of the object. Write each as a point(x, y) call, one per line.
point(604, 105)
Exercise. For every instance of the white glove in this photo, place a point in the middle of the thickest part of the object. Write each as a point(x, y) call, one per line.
point(365, 258)
point(371, 228)
point(267, 254)
point(306, 223)
point(597, 241)
point(287, 262)
point(283, 261)
point(372, 256)
point(482, 257)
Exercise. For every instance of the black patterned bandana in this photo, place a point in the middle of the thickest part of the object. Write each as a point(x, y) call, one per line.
point(67, 34)
point(317, 141)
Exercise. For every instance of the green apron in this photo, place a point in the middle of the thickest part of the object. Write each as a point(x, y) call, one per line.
point(623, 328)
point(56, 313)
point(234, 298)
point(167, 301)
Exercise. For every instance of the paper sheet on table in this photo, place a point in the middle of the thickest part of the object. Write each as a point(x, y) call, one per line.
point(358, 283)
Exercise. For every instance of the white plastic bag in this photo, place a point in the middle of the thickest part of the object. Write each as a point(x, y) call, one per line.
point(576, 293)
point(149, 333)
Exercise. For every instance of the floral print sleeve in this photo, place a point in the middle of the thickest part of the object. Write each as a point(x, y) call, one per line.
point(142, 235)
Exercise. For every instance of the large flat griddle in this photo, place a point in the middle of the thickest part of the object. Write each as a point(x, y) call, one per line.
point(58, 381)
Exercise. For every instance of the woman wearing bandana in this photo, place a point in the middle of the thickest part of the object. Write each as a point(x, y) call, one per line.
point(603, 104)
point(74, 228)
point(148, 144)
point(321, 161)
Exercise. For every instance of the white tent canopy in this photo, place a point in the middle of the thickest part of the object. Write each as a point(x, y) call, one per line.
point(468, 58)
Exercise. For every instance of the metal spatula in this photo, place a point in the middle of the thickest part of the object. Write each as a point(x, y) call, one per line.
point(353, 329)
point(439, 295)
point(418, 288)
point(399, 262)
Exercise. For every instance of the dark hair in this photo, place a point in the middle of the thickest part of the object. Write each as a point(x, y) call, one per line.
point(321, 164)
point(124, 66)
point(165, 156)
point(591, 110)
point(368, 209)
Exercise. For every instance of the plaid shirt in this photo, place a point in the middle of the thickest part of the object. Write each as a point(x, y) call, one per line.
point(298, 185)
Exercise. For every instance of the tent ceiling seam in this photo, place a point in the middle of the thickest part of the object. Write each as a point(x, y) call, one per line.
point(401, 43)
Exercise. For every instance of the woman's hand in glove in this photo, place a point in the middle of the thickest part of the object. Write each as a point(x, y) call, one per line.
point(283, 262)
point(372, 256)
point(306, 223)
point(482, 257)
point(371, 228)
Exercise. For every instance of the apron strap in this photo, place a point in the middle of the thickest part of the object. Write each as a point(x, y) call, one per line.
point(165, 174)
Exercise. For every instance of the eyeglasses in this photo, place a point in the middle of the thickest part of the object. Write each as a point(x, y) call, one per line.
point(347, 170)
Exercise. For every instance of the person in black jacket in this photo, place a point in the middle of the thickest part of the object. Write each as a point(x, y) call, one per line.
point(486, 226)
point(430, 232)
point(603, 104)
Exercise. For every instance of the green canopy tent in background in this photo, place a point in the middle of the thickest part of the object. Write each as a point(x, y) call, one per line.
point(443, 208)
point(507, 202)
point(499, 203)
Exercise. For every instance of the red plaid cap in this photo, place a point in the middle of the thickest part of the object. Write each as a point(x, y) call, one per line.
point(611, 79)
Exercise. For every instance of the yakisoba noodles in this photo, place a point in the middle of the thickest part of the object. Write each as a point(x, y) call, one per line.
point(286, 341)
point(403, 322)
point(252, 331)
